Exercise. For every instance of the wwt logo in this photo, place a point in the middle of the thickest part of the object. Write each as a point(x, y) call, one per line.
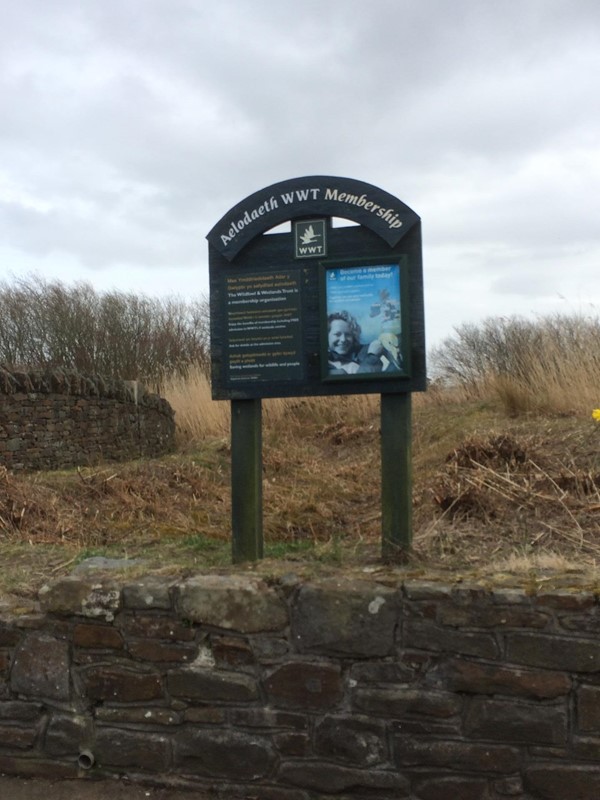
point(310, 238)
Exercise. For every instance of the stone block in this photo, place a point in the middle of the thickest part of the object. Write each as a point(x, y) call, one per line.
point(20, 711)
point(149, 626)
point(115, 747)
point(563, 782)
point(99, 637)
point(581, 623)
point(41, 667)
point(148, 594)
point(67, 735)
point(148, 715)
point(367, 672)
point(588, 708)
point(28, 767)
point(225, 754)
point(455, 755)
point(511, 786)
point(446, 787)
point(416, 589)
point(240, 792)
point(351, 740)
point(10, 635)
point(231, 651)
point(492, 616)
point(506, 721)
point(209, 685)
point(269, 649)
point(293, 745)
point(120, 684)
point(327, 777)
point(166, 652)
point(553, 652)
point(565, 599)
point(345, 618)
point(303, 685)
point(395, 703)
point(472, 677)
point(14, 737)
point(423, 635)
point(429, 726)
point(267, 718)
point(103, 602)
point(585, 748)
point(205, 714)
point(235, 602)
point(85, 597)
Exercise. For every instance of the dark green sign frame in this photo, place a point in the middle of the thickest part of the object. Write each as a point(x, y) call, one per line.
point(278, 328)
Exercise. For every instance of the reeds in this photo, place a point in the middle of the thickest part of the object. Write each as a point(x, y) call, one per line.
point(199, 417)
point(551, 365)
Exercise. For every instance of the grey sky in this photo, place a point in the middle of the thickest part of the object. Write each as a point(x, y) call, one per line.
point(129, 127)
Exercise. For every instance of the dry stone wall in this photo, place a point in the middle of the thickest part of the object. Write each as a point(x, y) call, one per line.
point(58, 419)
point(241, 687)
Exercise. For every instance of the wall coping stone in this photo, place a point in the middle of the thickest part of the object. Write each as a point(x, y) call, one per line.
point(73, 382)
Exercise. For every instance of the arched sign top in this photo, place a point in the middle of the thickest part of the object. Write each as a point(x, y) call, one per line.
point(313, 195)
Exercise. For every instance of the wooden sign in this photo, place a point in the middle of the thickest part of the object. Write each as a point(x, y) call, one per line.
point(317, 309)
point(277, 299)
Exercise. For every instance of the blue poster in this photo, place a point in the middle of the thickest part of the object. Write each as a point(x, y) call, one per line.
point(364, 322)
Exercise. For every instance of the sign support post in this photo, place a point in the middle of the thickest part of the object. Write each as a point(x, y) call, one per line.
point(246, 480)
point(396, 476)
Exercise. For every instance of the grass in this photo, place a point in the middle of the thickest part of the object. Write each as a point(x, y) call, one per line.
point(495, 493)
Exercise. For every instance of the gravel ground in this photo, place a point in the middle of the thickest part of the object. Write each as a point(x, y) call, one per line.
point(35, 789)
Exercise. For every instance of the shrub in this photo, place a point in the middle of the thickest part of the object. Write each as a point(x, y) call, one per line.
point(116, 334)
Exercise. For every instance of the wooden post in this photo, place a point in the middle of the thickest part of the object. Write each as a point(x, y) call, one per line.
point(396, 476)
point(246, 480)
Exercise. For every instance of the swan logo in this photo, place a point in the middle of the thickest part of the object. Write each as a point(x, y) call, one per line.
point(310, 240)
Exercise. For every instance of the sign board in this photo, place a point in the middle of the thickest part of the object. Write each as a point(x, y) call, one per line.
point(316, 309)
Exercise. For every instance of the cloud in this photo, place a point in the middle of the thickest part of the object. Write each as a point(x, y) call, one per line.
point(130, 128)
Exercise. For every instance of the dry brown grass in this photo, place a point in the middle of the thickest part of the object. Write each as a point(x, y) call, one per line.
point(492, 492)
point(198, 416)
point(520, 494)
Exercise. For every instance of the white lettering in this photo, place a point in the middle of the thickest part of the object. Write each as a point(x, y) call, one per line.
point(247, 218)
point(387, 215)
point(315, 248)
point(300, 195)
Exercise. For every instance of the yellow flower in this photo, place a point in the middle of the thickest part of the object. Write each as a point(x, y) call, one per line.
point(596, 414)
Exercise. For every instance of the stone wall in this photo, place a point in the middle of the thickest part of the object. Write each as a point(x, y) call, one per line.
point(283, 689)
point(58, 419)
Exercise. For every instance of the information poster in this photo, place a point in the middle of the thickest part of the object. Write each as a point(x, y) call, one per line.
point(363, 322)
point(264, 334)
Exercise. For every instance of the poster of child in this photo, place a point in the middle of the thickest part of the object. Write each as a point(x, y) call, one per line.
point(363, 320)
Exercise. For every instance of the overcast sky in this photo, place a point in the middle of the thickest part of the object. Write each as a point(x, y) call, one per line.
point(128, 128)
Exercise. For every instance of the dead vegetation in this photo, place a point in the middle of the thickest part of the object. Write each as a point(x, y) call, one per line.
point(528, 493)
point(491, 493)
